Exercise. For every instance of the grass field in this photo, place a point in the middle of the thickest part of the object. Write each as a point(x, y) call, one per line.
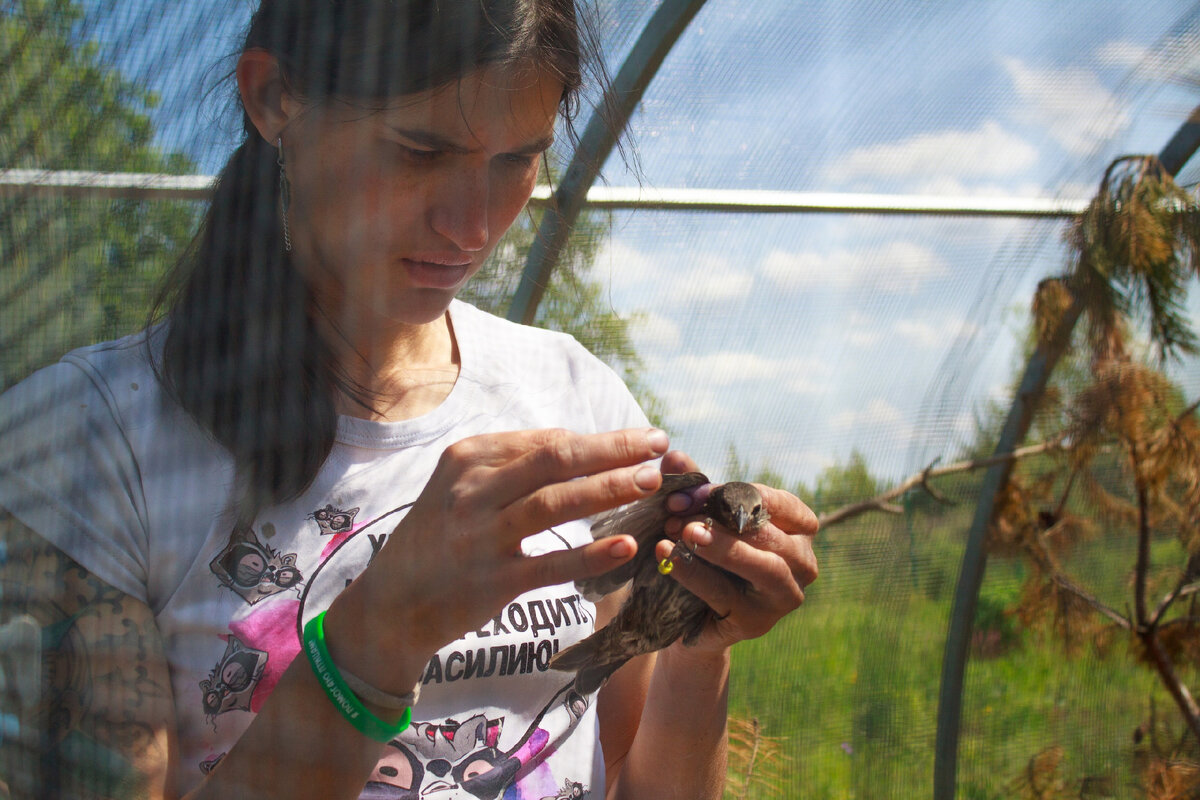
point(846, 689)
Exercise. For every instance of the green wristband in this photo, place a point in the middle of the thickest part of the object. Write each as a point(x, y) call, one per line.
point(339, 693)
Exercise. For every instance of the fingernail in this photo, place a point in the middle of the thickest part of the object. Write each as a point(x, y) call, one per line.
point(622, 548)
point(646, 478)
point(658, 441)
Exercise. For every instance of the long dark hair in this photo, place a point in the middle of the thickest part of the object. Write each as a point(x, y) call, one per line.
point(243, 354)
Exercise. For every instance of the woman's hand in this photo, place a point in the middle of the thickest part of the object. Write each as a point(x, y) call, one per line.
point(455, 560)
point(776, 560)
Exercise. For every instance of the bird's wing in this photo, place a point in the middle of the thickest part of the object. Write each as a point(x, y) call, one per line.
point(646, 514)
point(644, 521)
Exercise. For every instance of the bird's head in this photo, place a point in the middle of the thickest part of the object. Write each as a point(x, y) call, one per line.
point(738, 506)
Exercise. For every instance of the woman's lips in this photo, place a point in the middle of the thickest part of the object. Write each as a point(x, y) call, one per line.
point(436, 274)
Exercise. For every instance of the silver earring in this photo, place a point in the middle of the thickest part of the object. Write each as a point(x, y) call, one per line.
point(285, 196)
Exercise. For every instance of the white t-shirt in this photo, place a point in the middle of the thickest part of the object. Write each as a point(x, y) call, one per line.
point(95, 459)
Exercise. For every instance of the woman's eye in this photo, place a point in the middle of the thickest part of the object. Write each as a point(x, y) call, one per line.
point(520, 161)
point(418, 155)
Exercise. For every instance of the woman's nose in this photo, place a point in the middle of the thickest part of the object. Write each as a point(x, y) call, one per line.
point(460, 210)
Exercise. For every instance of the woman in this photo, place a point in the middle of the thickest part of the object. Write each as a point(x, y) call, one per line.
point(248, 533)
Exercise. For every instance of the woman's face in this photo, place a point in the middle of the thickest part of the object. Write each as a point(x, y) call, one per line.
point(392, 211)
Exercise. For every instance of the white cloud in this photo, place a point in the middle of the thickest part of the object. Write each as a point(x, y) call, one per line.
point(923, 333)
point(899, 266)
point(655, 332)
point(878, 413)
point(988, 151)
point(1175, 55)
point(918, 332)
point(707, 277)
point(623, 266)
point(858, 337)
point(806, 384)
point(727, 367)
point(1072, 105)
point(688, 407)
point(1122, 54)
point(712, 279)
point(952, 186)
point(858, 330)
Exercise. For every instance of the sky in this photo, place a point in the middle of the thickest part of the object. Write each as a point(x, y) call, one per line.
point(798, 338)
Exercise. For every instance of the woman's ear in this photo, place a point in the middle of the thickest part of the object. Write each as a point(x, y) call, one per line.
point(266, 100)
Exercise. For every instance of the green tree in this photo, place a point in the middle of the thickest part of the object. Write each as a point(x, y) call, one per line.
point(75, 270)
point(738, 470)
point(842, 484)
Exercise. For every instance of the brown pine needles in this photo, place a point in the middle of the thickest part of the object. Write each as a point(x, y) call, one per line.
point(756, 761)
point(1130, 442)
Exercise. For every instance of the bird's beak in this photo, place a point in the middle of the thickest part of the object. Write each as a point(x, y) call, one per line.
point(740, 518)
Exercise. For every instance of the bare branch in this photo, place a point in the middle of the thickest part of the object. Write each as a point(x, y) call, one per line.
point(1095, 602)
point(855, 509)
point(1146, 631)
point(1178, 690)
point(1186, 586)
point(1149, 636)
point(1066, 494)
point(883, 502)
point(1142, 566)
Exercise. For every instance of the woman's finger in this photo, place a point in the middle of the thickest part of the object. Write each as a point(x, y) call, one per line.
point(758, 564)
point(677, 461)
point(745, 611)
point(788, 512)
point(564, 566)
point(702, 579)
point(569, 500)
point(759, 555)
point(519, 465)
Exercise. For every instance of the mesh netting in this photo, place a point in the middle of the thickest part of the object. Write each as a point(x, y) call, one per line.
point(836, 353)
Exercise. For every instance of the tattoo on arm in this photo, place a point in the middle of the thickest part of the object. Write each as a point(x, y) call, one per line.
point(85, 705)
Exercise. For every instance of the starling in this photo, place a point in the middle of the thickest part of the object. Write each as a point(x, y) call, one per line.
point(659, 609)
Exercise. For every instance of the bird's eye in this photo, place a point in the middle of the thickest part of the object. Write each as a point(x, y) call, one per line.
point(757, 509)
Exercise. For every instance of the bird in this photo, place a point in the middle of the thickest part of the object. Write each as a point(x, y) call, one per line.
point(658, 610)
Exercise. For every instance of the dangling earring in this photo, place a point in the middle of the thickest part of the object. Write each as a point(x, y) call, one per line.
point(285, 196)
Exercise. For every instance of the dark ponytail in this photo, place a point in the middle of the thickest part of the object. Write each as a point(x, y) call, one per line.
point(243, 355)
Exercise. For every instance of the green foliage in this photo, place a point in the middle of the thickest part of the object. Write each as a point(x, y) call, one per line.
point(735, 468)
point(846, 483)
point(996, 625)
point(849, 685)
point(75, 270)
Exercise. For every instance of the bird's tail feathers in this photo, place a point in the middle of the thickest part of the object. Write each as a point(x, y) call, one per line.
point(577, 656)
point(590, 679)
point(580, 658)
